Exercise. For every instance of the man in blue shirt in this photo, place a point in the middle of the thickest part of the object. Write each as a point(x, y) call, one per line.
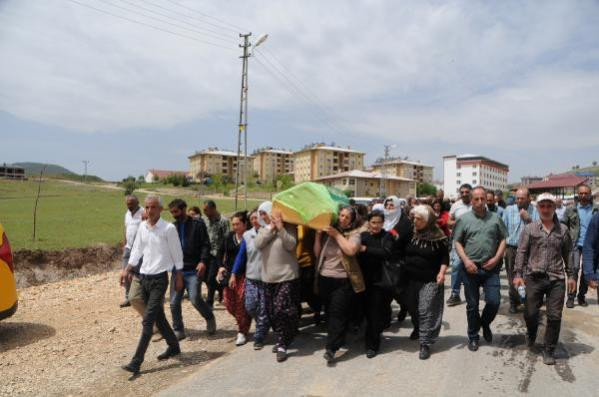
point(577, 218)
point(516, 217)
point(590, 252)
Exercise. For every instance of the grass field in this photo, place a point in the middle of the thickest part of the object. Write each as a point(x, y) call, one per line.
point(70, 215)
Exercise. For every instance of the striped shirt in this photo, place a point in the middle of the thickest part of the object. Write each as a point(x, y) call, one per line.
point(514, 223)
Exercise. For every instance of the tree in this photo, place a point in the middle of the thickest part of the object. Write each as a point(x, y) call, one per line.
point(425, 189)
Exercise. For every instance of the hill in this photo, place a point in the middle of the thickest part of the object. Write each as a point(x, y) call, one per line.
point(53, 170)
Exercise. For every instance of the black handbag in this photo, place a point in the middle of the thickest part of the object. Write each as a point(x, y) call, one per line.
point(390, 276)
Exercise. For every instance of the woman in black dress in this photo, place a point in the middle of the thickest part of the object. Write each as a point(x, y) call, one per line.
point(376, 247)
point(426, 261)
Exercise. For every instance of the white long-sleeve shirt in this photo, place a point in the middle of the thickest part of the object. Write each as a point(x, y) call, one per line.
point(159, 246)
point(132, 222)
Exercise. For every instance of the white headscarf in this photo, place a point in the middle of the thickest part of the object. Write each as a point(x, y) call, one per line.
point(264, 207)
point(392, 216)
point(378, 207)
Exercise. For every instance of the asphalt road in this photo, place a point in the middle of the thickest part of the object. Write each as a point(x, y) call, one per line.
point(505, 367)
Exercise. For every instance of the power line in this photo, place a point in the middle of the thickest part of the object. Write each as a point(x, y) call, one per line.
point(212, 33)
point(232, 27)
point(293, 92)
point(193, 18)
point(324, 116)
point(133, 11)
point(149, 25)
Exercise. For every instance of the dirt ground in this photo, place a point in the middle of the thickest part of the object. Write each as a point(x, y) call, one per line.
point(70, 338)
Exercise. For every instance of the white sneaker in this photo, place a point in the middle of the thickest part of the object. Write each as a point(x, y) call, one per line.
point(241, 340)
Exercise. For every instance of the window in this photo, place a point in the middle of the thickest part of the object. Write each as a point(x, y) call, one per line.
point(474, 173)
point(474, 181)
point(352, 182)
point(459, 174)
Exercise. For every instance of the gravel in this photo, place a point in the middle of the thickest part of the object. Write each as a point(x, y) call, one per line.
point(70, 338)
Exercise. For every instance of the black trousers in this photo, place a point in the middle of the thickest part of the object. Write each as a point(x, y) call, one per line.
point(307, 294)
point(554, 291)
point(377, 304)
point(336, 295)
point(153, 289)
point(211, 283)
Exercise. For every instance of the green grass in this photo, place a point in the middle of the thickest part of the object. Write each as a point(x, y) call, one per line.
point(70, 216)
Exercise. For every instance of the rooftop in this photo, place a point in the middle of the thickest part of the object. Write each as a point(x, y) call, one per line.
point(470, 156)
point(557, 181)
point(365, 175)
point(216, 152)
point(327, 147)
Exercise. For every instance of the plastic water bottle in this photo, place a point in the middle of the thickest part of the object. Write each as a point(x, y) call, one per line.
point(522, 292)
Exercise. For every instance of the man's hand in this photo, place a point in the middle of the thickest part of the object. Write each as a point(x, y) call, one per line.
point(524, 215)
point(201, 269)
point(518, 281)
point(470, 267)
point(572, 285)
point(221, 274)
point(490, 264)
point(179, 282)
point(362, 248)
point(125, 276)
point(592, 284)
point(232, 281)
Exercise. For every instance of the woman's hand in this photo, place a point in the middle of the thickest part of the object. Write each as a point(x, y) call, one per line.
point(221, 274)
point(362, 248)
point(441, 277)
point(232, 281)
point(331, 231)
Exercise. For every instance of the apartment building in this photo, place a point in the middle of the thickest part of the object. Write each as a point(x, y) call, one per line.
point(421, 173)
point(213, 161)
point(270, 163)
point(473, 169)
point(319, 160)
point(368, 184)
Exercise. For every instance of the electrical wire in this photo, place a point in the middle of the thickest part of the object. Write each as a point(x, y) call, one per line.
point(149, 25)
point(231, 27)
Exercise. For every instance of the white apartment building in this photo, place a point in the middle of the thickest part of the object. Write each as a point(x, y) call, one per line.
point(475, 170)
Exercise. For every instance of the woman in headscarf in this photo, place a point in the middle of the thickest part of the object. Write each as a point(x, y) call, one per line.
point(339, 276)
point(248, 264)
point(426, 262)
point(376, 247)
point(399, 225)
point(234, 293)
point(277, 242)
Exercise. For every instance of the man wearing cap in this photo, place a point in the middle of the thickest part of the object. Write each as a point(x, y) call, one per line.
point(543, 256)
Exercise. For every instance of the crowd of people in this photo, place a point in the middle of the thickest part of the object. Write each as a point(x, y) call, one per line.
point(349, 273)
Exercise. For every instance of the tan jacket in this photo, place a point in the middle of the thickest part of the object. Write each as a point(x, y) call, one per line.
point(350, 264)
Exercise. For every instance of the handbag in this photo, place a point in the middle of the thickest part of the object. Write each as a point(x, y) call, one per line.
point(390, 276)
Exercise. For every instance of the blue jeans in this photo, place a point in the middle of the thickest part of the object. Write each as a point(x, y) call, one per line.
point(456, 275)
point(491, 288)
point(194, 290)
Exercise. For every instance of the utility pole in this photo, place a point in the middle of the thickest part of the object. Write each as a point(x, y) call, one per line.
point(85, 162)
point(243, 117)
point(382, 187)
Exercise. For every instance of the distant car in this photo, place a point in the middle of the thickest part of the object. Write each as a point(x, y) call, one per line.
point(8, 286)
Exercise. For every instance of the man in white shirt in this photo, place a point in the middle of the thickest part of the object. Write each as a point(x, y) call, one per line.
point(133, 218)
point(157, 242)
point(459, 208)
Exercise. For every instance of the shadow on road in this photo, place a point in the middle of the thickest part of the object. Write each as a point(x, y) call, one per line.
point(18, 334)
point(185, 359)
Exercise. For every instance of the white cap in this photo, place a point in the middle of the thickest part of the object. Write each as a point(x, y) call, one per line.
point(546, 197)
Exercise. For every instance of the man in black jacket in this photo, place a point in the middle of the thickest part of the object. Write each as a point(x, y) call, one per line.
point(196, 250)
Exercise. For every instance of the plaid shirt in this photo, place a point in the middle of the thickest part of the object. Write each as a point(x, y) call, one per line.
point(540, 252)
point(217, 232)
point(514, 223)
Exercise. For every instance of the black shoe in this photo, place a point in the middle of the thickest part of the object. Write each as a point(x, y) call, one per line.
point(513, 308)
point(415, 334)
point(548, 357)
point(487, 334)
point(281, 355)
point(317, 318)
point(473, 345)
point(125, 304)
point(329, 356)
point(570, 303)
point(582, 301)
point(169, 352)
point(402, 315)
point(454, 300)
point(258, 345)
point(425, 352)
point(370, 353)
point(274, 348)
point(131, 367)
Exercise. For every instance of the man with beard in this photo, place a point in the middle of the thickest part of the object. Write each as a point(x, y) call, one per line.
point(577, 219)
point(196, 248)
point(492, 204)
point(516, 217)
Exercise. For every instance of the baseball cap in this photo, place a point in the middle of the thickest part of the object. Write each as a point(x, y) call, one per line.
point(546, 197)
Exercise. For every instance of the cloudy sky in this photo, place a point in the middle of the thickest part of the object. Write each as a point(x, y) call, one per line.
point(138, 84)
